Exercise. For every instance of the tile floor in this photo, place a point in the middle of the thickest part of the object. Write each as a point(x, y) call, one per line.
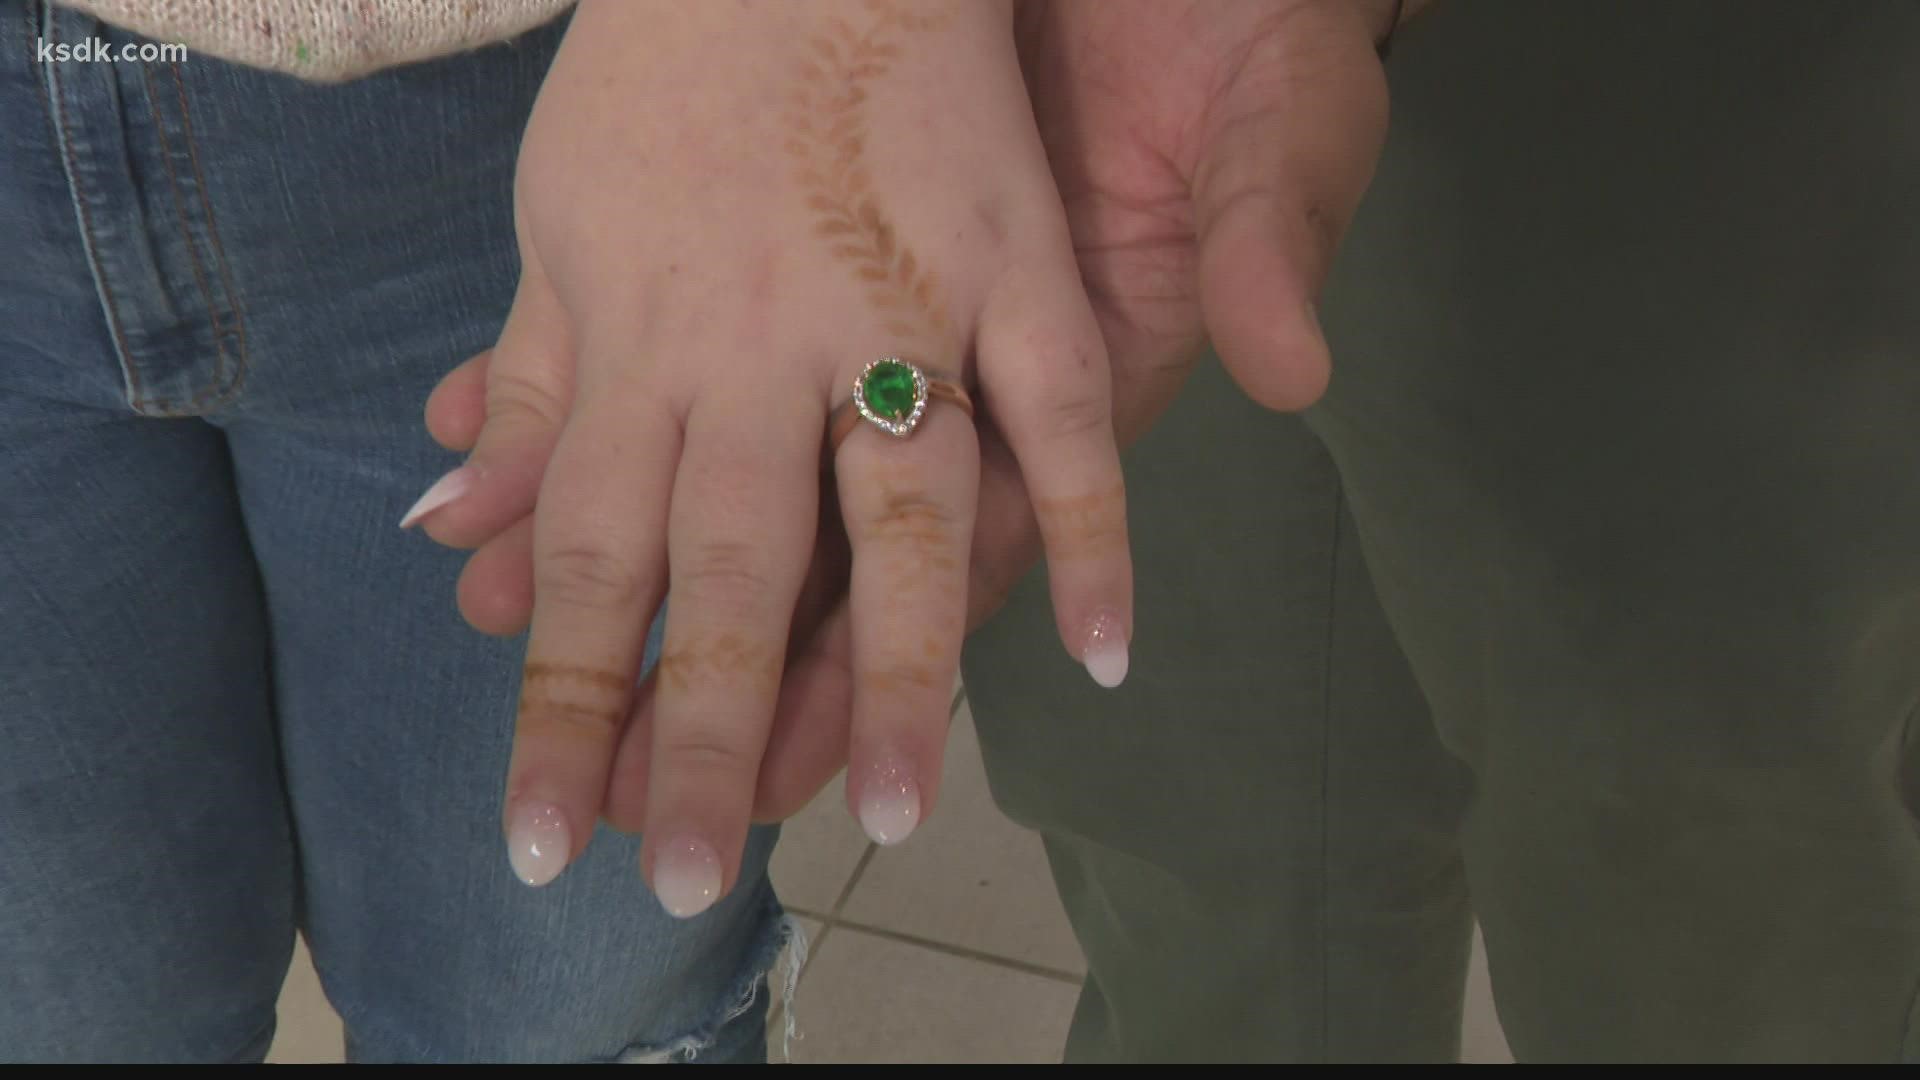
point(981, 965)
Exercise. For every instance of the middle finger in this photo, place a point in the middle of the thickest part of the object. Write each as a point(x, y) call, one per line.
point(739, 539)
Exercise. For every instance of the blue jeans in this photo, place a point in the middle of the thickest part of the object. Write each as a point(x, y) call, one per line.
point(239, 700)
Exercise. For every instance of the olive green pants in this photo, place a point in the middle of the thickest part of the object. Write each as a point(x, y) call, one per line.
point(1624, 436)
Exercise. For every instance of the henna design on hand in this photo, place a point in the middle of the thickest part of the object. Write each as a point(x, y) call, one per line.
point(829, 149)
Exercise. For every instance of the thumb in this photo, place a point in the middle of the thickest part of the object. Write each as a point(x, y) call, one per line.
point(1284, 155)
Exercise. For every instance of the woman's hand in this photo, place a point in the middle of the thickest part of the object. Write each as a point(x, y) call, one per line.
point(1237, 135)
point(726, 212)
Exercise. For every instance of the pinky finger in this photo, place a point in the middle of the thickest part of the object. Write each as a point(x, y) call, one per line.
point(1043, 368)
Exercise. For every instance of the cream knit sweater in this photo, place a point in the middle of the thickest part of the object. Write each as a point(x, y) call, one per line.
point(324, 39)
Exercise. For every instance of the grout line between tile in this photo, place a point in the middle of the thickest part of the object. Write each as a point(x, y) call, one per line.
point(964, 953)
point(828, 920)
point(853, 879)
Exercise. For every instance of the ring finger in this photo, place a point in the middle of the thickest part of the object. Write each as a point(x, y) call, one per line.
point(909, 508)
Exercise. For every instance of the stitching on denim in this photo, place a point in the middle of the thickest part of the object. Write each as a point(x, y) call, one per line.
point(241, 362)
point(186, 232)
point(1326, 755)
point(58, 103)
point(32, 11)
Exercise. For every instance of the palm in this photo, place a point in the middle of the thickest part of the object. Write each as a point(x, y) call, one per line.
point(1116, 112)
point(1135, 100)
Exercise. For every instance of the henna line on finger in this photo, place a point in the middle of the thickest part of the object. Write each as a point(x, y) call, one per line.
point(1080, 521)
point(544, 671)
point(710, 660)
point(901, 677)
point(591, 720)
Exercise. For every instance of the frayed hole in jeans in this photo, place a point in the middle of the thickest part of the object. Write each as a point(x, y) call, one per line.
point(793, 952)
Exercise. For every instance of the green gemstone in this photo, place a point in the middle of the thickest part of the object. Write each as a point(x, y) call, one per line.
point(888, 388)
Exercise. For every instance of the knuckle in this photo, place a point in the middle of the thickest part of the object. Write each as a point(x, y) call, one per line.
point(515, 395)
point(918, 547)
point(590, 577)
point(707, 752)
point(1074, 417)
point(1070, 399)
point(731, 574)
point(726, 659)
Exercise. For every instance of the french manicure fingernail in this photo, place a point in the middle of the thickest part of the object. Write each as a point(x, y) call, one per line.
point(538, 842)
point(889, 802)
point(686, 876)
point(444, 490)
point(1105, 651)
